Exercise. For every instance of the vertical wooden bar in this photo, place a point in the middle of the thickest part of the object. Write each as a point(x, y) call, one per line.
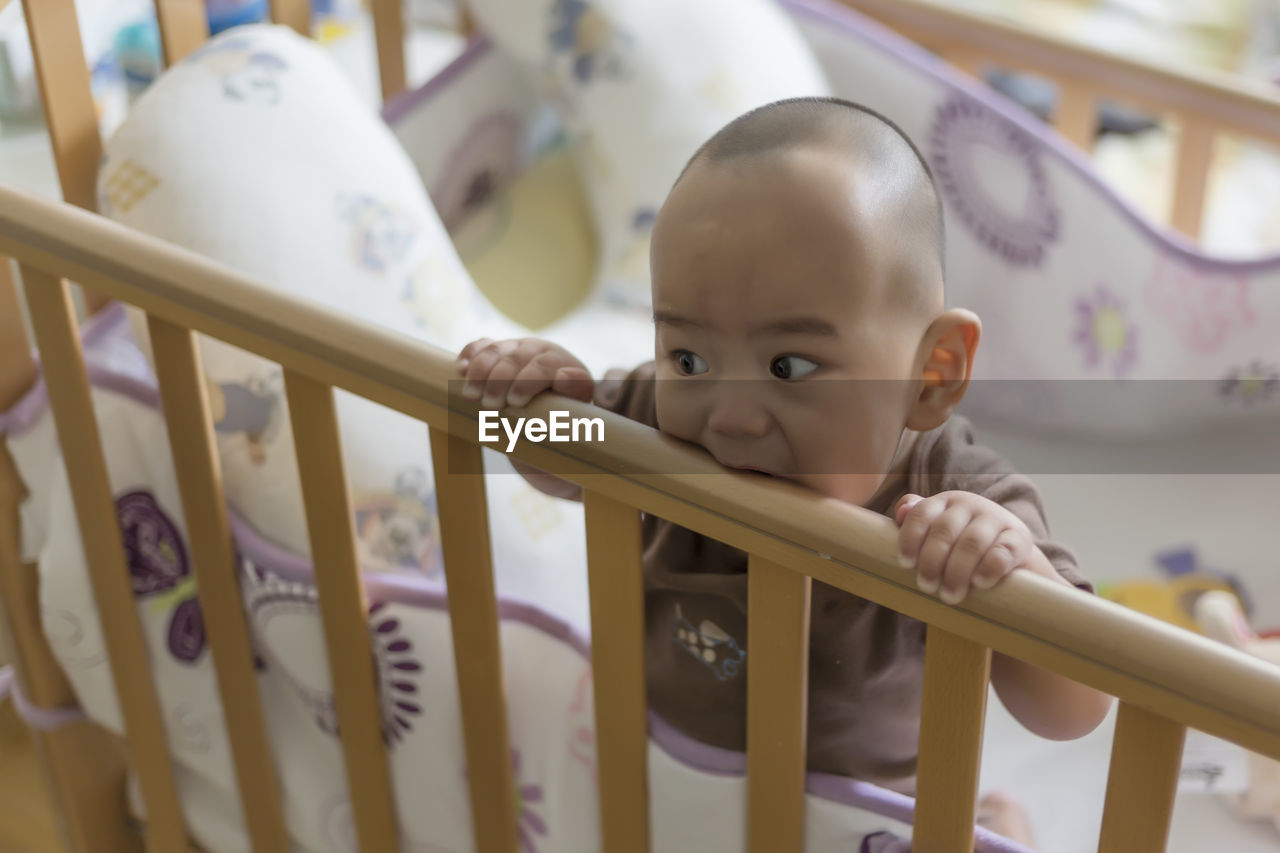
point(69, 111)
point(292, 13)
point(1076, 115)
point(777, 705)
point(477, 650)
point(343, 609)
point(195, 459)
point(1191, 174)
point(388, 30)
point(83, 771)
point(617, 667)
point(956, 674)
point(1146, 759)
point(184, 26)
point(53, 319)
point(17, 367)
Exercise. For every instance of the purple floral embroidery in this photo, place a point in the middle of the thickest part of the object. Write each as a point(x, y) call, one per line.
point(398, 672)
point(1018, 229)
point(1203, 308)
point(154, 550)
point(1105, 333)
point(186, 631)
point(157, 561)
point(1256, 381)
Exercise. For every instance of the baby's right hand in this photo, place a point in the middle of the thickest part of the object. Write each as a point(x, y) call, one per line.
point(511, 373)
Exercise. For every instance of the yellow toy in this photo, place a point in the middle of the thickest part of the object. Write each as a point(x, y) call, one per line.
point(1173, 600)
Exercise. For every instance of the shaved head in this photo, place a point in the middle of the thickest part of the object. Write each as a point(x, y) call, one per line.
point(891, 177)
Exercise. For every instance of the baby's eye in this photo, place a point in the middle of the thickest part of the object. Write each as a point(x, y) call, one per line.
point(689, 363)
point(791, 367)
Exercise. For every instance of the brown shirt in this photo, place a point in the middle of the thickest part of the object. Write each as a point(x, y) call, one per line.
point(866, 662)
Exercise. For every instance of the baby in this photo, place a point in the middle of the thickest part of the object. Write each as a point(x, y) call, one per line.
point(801, 332)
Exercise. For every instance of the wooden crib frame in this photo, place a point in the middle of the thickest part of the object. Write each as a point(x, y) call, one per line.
point(1166, 679)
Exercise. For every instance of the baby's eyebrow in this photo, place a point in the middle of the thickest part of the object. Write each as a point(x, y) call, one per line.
point(671, 319)
point(800, 326)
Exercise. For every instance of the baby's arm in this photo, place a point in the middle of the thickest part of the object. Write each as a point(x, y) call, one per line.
point(513, 372)
point(954, 540)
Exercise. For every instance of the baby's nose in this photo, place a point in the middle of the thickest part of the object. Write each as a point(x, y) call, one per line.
point(738, 412)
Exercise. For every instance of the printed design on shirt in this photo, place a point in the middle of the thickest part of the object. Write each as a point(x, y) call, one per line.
point(246, 73)
point(989, 171)
point(1255, 382)
point(589, 41)
point(709, 643)
point(1203, 308)
point(1104, 332)
point(126, 184)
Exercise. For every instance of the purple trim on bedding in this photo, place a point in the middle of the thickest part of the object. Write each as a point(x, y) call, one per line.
point(23, 415)
point(40, 719)
point(1166, 239)
point(404, 103)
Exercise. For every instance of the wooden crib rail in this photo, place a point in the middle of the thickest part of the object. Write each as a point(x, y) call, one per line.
point(1159, 672)
point(1203, 103)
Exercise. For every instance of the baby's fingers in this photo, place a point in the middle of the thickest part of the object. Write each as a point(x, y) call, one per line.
point(574, 382)
point(468, 352)
point(482, 364)
point(1005, 554)
point(534, 378)
point(972, 546)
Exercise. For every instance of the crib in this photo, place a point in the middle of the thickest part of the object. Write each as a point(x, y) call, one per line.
point(1166, 680)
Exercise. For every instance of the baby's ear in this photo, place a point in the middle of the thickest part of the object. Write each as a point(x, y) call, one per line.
point(944, 367)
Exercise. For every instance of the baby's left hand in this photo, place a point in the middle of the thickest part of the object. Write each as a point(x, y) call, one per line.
point(957, 539)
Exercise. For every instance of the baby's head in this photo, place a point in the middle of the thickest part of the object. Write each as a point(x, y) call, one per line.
point(798, 266)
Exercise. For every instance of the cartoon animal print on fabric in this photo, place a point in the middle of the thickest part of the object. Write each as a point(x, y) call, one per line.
point(588, 40)
point(1203, 307)
point(990, 173)
point(381, 234)
point(160, 571)
point(247, 74)
point(254, 408)
point(400, 531)
point(708, 642)
point(123, 186)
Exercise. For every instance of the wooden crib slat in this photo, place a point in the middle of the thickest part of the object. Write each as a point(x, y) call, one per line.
point(477, 650)
point(67, 99)
point(82, 764)
point(292, 13)
point(617, 665)
point(17, 368)
point(956, 674)
point(343, 609)
point(184, 26)
point(195, 459)
point(388, 33)
point(1191, 174)
point(1146, 759)
point(53, 319)
point(777, 705)
point(1075, 115)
